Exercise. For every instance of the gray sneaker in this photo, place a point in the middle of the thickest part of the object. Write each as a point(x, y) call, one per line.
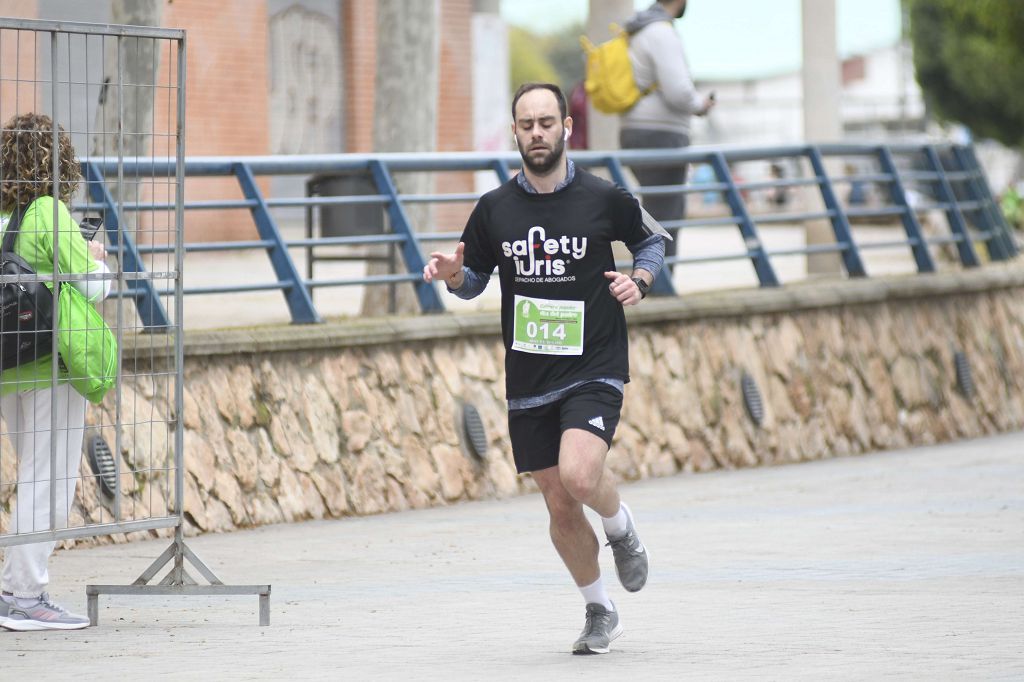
point(41, 615)
point(601, 628)
point(630, 556)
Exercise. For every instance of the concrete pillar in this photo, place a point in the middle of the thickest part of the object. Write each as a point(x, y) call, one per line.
point(492, 102)
point(491, 99)
point(822, 123)
point(603, 129)
point(821, 72)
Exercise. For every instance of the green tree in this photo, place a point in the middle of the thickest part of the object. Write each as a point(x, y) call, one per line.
point(556, 58)
point(566, 56)
point(528, 61)
point(969, 59)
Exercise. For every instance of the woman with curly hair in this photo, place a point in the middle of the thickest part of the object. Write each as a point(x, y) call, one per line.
point(28, 397)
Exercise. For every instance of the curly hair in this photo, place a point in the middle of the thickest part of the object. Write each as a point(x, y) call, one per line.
point(26, 162)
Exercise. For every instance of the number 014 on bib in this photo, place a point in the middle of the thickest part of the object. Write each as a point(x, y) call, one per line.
point(548, 327)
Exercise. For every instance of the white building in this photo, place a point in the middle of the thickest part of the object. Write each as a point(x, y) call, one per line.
point(881, 101)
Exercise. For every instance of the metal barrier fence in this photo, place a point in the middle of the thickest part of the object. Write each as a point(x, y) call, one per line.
point(896, 183)
point(115, 92)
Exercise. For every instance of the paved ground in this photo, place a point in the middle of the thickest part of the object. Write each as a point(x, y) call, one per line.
point(906, 564)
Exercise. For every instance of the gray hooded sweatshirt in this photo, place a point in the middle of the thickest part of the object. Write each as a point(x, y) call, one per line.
point(656, 51)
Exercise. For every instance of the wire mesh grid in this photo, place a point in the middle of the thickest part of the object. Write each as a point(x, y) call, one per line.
point(91, 443)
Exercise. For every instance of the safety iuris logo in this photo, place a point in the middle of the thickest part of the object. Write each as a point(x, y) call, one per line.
point(539, 256)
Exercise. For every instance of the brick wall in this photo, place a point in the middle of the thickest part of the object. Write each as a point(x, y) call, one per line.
point(17, 61)
point(227, 101)
point(455, 99)
point(228, 94)
point(227, 74)
point(359, 56)
point(455, 106)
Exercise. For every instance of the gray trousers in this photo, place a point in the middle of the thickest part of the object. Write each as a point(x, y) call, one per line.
point(662, 206)
point(26, 416)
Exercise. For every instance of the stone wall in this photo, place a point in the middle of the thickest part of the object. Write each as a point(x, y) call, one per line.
point(363, 417)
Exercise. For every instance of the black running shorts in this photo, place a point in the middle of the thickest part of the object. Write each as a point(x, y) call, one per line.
point(536, 432)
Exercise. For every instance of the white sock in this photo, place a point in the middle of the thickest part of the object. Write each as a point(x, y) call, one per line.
point(594, 593)
point(615, 526)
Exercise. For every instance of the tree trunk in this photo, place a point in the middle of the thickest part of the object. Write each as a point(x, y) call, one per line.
point(405, 120)
point(128, 108)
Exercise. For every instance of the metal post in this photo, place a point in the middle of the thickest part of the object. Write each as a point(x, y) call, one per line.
point(501, 170)
point(662, 285)
point(123, 235)
point(179, 306)
point(752, 241)
point(430, 302)
point(295, 292)
point(964, 245)
point(55, 358)
point(983, 216)
point(918, 246)
point(151, 310)
point(840, 224)
point(310, 189)
point(1000, 243)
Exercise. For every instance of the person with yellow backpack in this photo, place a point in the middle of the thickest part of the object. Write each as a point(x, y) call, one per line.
point(653, 92)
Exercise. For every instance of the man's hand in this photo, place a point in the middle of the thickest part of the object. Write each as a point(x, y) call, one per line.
point(623, 288)
point(709, 103)
point(445, 266)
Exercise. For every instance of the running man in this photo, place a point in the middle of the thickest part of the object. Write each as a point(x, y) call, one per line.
point(549, 231)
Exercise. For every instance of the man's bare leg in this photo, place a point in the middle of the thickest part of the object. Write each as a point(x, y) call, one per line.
point(583, 472)
point(581, 478)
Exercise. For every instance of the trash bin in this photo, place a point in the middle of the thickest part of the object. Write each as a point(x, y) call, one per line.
point(346, 220)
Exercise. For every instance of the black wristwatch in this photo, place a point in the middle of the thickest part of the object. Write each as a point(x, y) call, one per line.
point(643, 286)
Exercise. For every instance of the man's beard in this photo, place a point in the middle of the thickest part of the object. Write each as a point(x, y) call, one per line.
point(547, 163)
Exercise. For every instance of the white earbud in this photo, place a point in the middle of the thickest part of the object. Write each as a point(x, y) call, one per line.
point(565, 136)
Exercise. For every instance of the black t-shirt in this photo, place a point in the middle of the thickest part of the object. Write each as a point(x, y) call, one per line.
point(556, 248)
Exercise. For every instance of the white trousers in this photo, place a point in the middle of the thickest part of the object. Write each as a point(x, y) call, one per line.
point(26, 417)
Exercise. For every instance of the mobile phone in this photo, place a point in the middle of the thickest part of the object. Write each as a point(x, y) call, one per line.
point(89, 226)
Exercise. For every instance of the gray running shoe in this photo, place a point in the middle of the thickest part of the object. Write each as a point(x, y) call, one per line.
point(630, 556)
point(601, 628)
point(42, 615)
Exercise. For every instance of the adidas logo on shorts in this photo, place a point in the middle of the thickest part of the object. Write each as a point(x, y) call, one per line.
point(598, 422)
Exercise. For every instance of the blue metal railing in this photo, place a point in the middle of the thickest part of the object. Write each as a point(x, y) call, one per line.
point(949, 174)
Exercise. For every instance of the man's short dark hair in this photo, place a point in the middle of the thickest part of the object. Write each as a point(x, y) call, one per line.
point(527, 87)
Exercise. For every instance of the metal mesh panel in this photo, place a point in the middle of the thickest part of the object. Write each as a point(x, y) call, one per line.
point(116, 95)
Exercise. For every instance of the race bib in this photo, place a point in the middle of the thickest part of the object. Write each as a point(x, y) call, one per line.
point(548, 327)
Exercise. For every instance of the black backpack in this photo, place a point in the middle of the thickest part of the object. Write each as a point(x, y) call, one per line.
point(26, 307)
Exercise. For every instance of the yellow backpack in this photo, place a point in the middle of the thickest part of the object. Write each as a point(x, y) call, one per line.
point(609, 83)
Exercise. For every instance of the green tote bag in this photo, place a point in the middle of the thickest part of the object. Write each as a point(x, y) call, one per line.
point(87, 347)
